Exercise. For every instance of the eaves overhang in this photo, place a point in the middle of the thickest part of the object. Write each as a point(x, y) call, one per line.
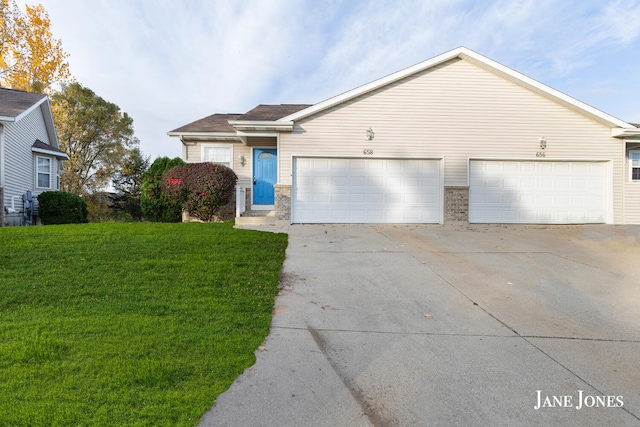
point(261, 126)
point(625, 132)
point(58, 154)
point(205, 136)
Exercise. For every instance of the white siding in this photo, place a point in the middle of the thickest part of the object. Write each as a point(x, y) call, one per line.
point(456, 111)
point(19, 160)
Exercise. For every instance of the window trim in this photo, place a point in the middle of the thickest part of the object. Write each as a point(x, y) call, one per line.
point(227, 146)
point(49, 173)
point(631, 167)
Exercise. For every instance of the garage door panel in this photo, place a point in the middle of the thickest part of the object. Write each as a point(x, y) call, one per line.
point(537, 192)
point(366, 190)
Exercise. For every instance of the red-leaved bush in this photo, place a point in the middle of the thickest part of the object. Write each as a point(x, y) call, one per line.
point(203, 188)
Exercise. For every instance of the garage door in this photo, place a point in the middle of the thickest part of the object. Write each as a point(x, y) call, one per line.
point(533, 192)
point(341, 190)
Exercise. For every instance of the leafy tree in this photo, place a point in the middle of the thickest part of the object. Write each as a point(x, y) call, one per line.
point(155, 205)
point(203, 188)
point(30, 58)
point(94, 133)
point(128, 183)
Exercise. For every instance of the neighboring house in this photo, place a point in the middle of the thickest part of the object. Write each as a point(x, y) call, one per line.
point(30, 159)
point(458, 137)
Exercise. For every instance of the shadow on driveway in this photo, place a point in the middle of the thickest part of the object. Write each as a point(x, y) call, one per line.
point(389, 325)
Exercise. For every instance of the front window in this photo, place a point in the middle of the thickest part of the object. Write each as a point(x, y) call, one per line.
point(43, 172)
point(217, 154)
point(634, 162)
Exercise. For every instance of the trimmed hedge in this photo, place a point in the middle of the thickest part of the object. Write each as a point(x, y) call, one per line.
point(155, 205)
point(58, 207)
point(203, 188)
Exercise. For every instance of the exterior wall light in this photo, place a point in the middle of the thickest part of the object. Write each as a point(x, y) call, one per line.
point(370, 134)
point(543, 142)
point(242, 160)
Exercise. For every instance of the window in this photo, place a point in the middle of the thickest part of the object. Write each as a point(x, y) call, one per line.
point(43, 172)
point(217, 154)
point(634, 163)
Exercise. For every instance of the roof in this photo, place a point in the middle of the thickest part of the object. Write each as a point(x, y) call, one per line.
point(13, 103)
point(214, 123)
point(265, 112)
point(478, 60)
point(43, 147)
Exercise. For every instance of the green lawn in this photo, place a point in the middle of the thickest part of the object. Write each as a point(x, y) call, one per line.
point(129, 324)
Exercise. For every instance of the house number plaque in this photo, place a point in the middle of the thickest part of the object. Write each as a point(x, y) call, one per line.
point(541, 154)
point(367, 152)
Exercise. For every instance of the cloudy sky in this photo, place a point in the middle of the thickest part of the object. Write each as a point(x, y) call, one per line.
point(170, 62)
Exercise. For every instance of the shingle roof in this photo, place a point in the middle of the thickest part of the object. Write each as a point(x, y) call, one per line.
point(15, 102)
point(213, 123)
point(272, 112)
point(635, 124)
point(44, 146)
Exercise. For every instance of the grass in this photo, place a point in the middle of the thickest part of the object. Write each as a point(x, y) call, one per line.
point(129, 324)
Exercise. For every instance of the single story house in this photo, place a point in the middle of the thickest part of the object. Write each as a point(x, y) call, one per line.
point(30, 157)
point(458, 137)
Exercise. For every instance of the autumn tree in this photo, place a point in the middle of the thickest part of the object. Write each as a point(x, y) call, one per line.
point(95, 134)
point(128, 183)
point(31, 58)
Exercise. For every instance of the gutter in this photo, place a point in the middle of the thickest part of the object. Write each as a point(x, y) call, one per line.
point(262, 125)
point(625, 132)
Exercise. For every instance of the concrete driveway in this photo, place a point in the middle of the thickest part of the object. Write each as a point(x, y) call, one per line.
point(449, 325)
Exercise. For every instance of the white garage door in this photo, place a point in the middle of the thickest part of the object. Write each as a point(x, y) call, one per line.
point(536, 192)
point(345, 190)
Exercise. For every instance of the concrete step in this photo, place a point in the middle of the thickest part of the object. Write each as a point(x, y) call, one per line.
point(256, 218)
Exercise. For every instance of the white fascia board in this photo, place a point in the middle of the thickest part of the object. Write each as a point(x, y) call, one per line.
point(48, 120)
point(625, 132)
point(30, 109)
point(262, 125)
point(51, 153)
point(221, 136)
point(7, 119)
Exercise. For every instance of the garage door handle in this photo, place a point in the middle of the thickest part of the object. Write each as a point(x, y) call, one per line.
point(254, 180)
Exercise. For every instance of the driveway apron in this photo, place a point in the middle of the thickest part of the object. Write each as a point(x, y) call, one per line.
point(384, 325)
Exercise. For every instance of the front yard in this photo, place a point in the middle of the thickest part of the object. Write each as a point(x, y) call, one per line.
point(129, 324)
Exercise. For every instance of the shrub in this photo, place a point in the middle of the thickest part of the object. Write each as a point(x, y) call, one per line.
point(202, 188)
point(154, 204)
point(58, 207)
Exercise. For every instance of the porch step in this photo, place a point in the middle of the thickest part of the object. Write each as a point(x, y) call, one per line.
point(256, 218)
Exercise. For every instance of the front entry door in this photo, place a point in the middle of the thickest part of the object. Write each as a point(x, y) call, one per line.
point(264, 175)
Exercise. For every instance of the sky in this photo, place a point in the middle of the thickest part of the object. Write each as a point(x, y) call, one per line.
point(171, 62)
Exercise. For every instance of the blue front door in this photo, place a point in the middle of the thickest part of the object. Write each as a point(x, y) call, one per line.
point(264, 175)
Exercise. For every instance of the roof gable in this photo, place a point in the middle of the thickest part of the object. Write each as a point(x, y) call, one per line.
point(216, 123)
point(478, 60)
point(16, 103)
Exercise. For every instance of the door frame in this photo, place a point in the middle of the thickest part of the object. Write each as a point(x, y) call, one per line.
point(255, 206)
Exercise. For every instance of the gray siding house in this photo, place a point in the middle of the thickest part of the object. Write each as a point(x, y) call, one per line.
point(30, 158)
point(458, 137)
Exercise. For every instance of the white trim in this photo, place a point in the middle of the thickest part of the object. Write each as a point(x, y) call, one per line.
point(229, 146)
point(51, 153)
point(1, 161)
point(471, 56)
point(625, 132)
point(262, 125)
point(630, 160)
point(38, 172)
point(223, 136)
point(253, 171)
